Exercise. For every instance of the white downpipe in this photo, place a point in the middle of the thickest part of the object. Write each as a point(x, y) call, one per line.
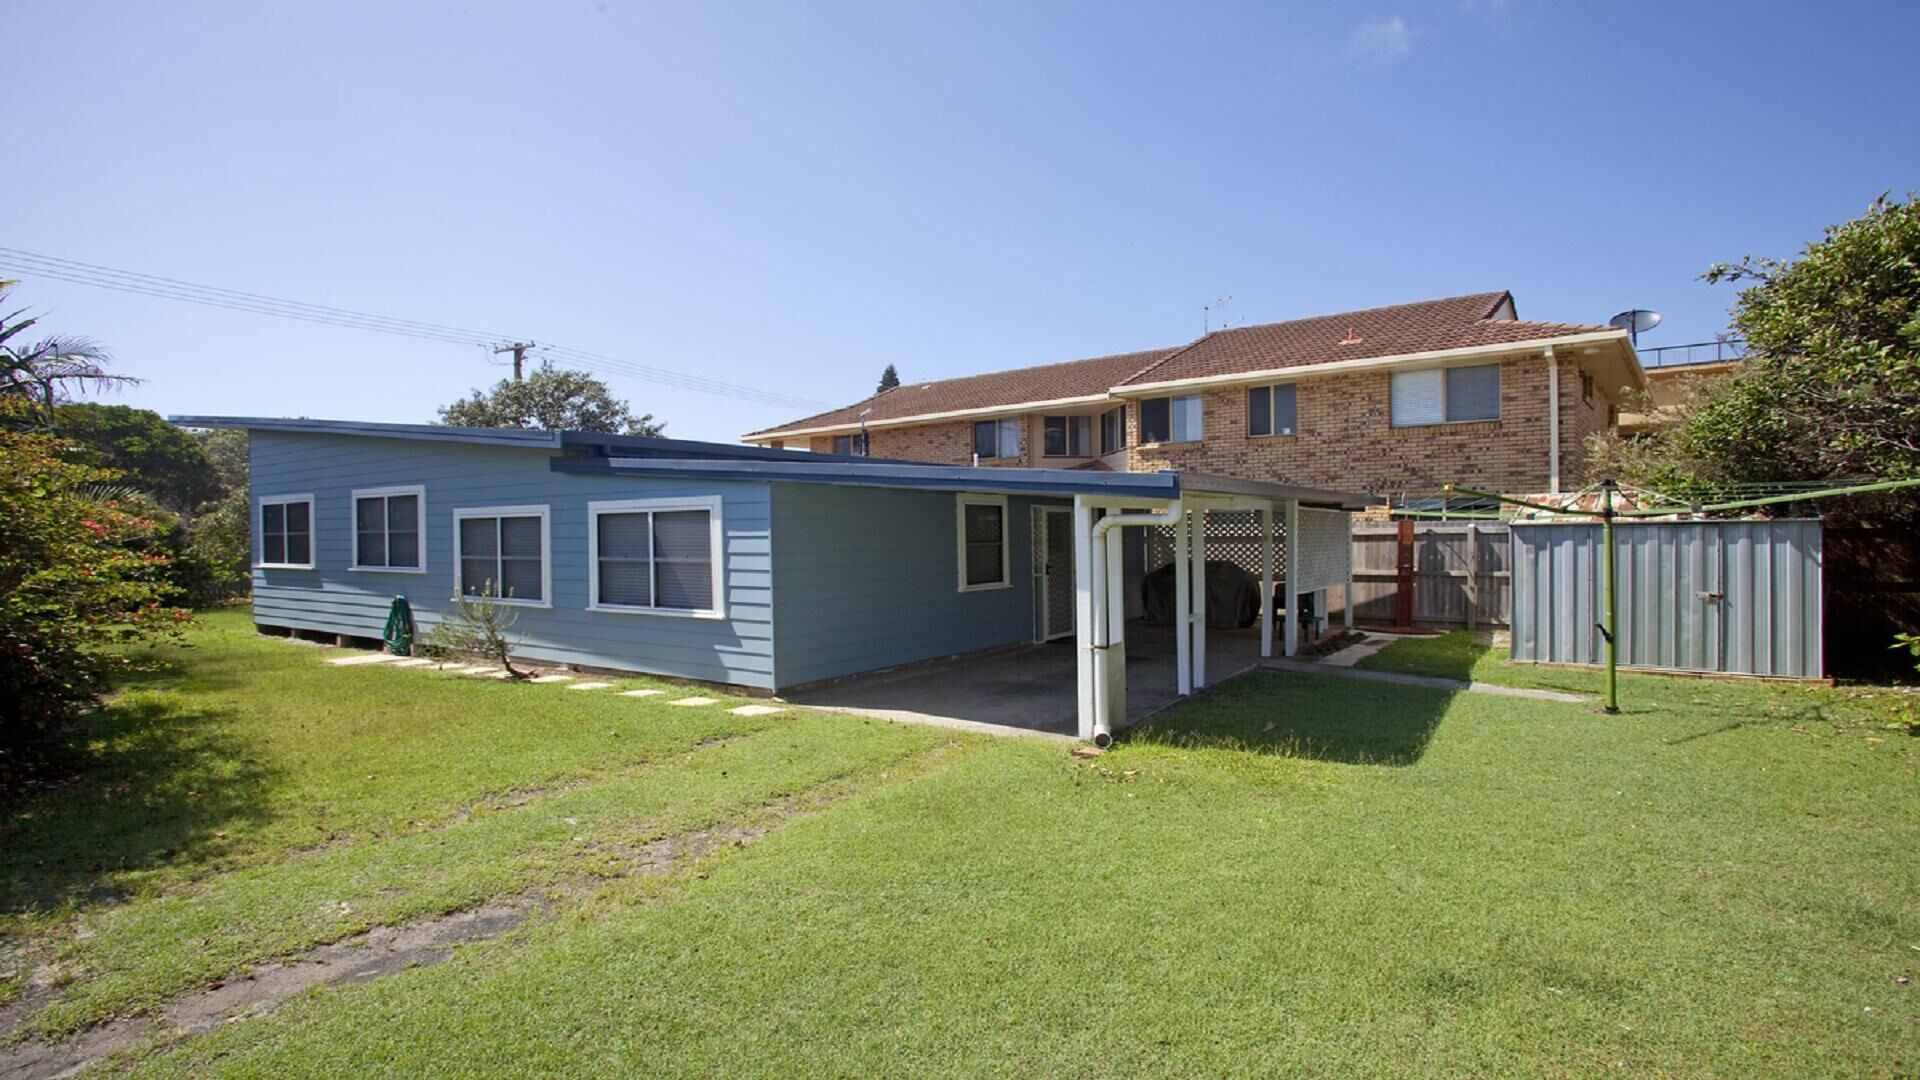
point(1553, 423)
point(1197, 620)
point(1266, 581)
point(1083, 621)
point(1109, 612)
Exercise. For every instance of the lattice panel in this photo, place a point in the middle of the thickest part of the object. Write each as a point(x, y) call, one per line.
point(1326, 549)
point(1232, 536)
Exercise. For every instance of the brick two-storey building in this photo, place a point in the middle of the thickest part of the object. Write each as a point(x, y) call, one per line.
point(1398, 401)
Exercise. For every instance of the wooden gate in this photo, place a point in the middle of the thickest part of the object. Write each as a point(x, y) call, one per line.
point(1460, 575)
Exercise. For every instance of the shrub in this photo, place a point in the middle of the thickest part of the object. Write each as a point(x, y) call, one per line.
point(476, 626)
point(80, 572)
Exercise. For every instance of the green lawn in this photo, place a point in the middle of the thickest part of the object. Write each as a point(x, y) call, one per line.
point(1300, 874)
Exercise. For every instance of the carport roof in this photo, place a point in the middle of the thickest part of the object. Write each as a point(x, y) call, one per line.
point(1153, 486)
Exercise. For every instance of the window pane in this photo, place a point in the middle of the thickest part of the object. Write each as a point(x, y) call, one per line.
point(626, 581)
point(1473, 393)
point(1259, 411)
point(299, 547)
point(370, 549)
point(625, 536)
point(1155, 420)
point(520, 537)
point(982, 522)
point(403, 513)
point(983, 564)
point(686, 584)
point(1186, 418)
point(273, 518)
point(1079, 436)
point(1009, 438)
point(403, 549)
point(1415, 398)
point(479, 577)
point(985, 438)
point(683, 534)
point(1113, 430)
point(1056, 444)
point(299, 519)
point(520, 578)
point(479, 537)
point(1284, 400)
point(370, 515)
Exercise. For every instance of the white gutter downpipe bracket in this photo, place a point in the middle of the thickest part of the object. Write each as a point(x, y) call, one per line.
point(1102, 615)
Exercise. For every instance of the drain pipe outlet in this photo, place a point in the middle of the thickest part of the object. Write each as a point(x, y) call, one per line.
point(1103, 655)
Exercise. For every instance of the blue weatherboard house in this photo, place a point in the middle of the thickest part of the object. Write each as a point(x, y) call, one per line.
point(738, 565)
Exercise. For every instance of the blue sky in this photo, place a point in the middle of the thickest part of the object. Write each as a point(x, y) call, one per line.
point(791, 196)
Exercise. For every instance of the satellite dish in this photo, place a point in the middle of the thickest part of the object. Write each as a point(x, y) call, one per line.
point(1635, 321)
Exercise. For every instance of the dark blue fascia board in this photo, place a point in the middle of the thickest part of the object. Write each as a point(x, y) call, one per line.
point(643, 446)
point(529, 438)
point(862, 472)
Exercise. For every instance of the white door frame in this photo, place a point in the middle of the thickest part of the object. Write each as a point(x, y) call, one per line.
point(1047, 520)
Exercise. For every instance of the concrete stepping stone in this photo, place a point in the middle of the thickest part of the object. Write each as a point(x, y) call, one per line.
point(641, 693)
point(417, 661)
point(590, 686)
point(552, 679)
point(364, 658)
point(690, 701)
point(756, 710)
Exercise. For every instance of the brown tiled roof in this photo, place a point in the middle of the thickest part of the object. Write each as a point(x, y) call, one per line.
point(1428, 326)
point(1048, 382)
point(1454, 323)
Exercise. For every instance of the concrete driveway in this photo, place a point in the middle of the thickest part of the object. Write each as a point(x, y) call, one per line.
point(1025, 689)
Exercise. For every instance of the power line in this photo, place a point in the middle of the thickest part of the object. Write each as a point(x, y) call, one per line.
point(156, 286)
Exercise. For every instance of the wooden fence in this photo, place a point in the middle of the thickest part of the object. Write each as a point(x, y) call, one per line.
point(1458, 575)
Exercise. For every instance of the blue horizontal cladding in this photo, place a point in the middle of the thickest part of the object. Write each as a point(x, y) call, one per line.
point(334, 598)
point(869, 578)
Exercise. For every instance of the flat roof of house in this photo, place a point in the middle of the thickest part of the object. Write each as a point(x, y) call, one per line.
point(635, 455)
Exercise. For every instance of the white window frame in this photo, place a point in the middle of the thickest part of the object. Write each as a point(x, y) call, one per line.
point(717, 541)
point(960, 541)
point(1068, 421)
point(545, 514)
point(1273, 429)
point(419, 491)
point(260, 533)
point(1174, 436)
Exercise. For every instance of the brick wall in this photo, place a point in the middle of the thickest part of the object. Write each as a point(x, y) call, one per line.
point(1579, 418)
point(1345, 439)
point(946, 443)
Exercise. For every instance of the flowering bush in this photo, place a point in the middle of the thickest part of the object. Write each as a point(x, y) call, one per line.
point(80, 573)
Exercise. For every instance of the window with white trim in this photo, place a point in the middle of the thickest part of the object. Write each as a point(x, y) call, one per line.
point(1067, 436)
point(387, 529)
point(656, 555)
point(501, 552)
point(996, 438)
point(852, 445)
point(1170, 419)
point(1272, 410)
point(286, 532)
point(1445, 395)
point(982, 534)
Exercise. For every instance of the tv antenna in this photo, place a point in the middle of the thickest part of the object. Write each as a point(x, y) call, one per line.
point(1635, 321)
point(1206, 313)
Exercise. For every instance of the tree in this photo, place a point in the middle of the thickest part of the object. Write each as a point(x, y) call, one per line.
point(889, 379)
point(35, 376)
point(556, 400)
point(220, 538)
point(150, 454)
point(1831, 386)
point(476, 626)
point(78, 577)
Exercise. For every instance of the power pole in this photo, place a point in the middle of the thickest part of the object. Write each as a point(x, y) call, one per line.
point(519, 351)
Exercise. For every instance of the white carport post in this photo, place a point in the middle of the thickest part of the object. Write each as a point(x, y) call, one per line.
point(1197, 578)
point(1346, 612)
point(1266, 581)
point(1083, 629)
point(1182, 608)
point(1113, 679)
point(1293, 576)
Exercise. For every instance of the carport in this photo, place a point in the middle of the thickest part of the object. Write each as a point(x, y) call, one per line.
point(1296, 538)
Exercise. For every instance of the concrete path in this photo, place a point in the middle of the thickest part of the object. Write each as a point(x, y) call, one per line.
point(1310, 667)
point(1358, 651)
